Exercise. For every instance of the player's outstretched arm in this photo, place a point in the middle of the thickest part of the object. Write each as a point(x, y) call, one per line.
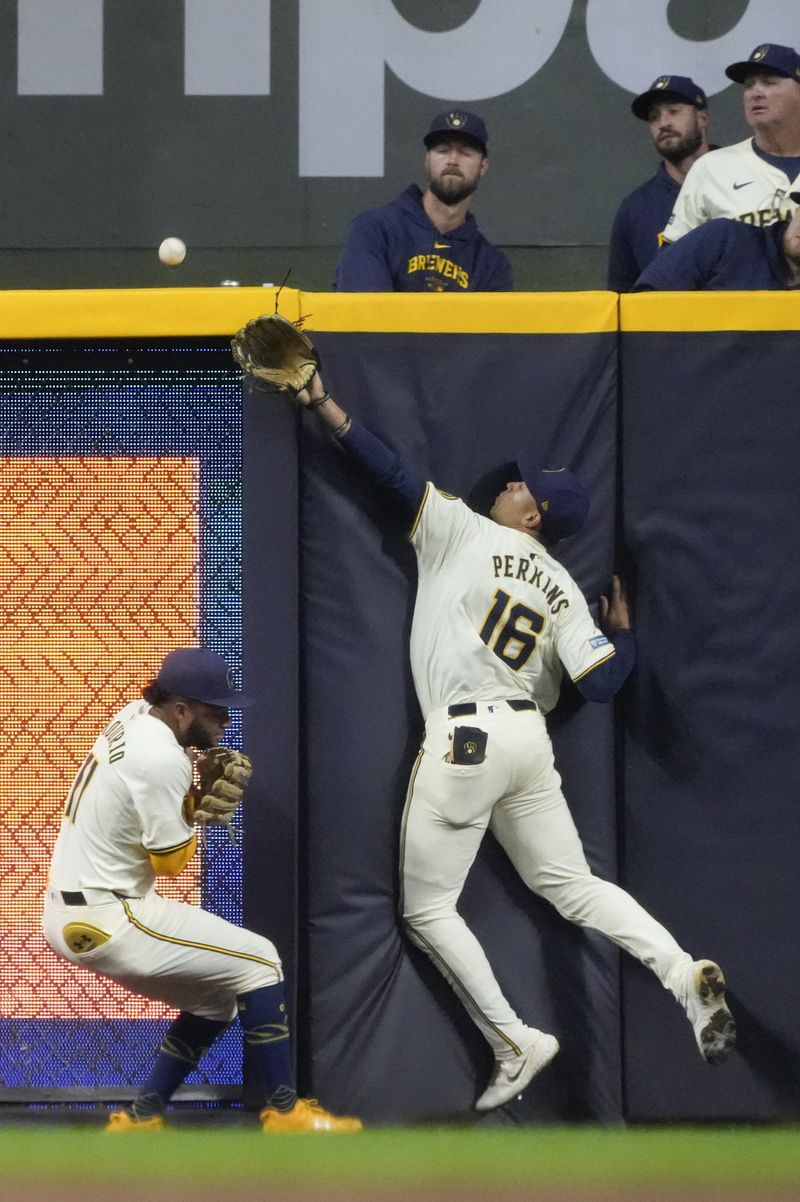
point(317, 398)
point(379, 462)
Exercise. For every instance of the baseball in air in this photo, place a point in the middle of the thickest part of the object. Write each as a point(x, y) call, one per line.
point(172, 251)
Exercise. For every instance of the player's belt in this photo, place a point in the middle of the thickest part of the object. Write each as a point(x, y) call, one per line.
point(471, 707)
point(77, 898)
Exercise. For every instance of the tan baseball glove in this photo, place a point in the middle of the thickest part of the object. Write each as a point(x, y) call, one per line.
point(222, 779)
point(275, 352)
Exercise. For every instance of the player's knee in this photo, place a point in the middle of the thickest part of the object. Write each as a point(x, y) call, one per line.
point(413, 912)
point(261, 968)
point(258, 977)
point(417, 915)
point(414, 927)
point(565, 888)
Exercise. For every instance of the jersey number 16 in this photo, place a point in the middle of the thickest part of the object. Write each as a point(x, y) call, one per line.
point(512, 633)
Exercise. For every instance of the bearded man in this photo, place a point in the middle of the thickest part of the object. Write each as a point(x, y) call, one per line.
point(676, 110)
point(429, 241)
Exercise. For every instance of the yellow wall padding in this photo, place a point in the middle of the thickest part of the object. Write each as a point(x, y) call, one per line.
point(686, 312)
point(214, 312)
point(176, 312)
point(138, 312)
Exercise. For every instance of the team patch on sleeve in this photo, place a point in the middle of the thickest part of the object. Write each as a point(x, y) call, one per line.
point(599, 641)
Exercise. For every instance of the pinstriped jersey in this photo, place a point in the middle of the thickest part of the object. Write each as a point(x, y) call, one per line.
point(732, 182)
point(126, 801)
point(496, 616)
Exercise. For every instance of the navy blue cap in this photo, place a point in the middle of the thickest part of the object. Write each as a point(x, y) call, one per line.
point(484, 492)
point(562, 500)
point(782, 59)
point(200, 675)
point(666, 88)
point(460, 122)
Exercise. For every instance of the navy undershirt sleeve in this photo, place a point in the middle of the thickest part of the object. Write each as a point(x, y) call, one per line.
point(602, 683)
point(384, 466)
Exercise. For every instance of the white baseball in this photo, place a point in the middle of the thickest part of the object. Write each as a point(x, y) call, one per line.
point(172, 251)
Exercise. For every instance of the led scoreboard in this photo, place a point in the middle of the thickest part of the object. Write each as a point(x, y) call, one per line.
point(120, 488)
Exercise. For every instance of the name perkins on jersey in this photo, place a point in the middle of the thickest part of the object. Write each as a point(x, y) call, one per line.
point(513, 567)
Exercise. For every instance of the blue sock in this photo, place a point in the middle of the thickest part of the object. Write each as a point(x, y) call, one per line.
point(182, 1049)
point(262, 1013)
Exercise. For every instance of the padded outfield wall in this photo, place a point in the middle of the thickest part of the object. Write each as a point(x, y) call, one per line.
point(710, 492)
point(684, 792)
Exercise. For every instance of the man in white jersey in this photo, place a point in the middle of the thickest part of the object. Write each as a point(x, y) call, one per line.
point(750, 181)
point(496, 620)
point(126, 821)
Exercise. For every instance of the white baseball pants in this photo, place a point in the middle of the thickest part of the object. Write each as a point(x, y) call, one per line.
point(517, 792)
point(162, 949)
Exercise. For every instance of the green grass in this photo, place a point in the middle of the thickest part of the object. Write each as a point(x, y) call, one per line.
point(736, 1158)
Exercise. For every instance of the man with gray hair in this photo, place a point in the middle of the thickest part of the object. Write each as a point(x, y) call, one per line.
point(752, 180)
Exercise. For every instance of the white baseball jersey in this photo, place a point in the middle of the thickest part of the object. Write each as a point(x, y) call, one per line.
point(125, 802)
point(495, 619)
point(496, 616)
point(731, 182)
point(101, 908)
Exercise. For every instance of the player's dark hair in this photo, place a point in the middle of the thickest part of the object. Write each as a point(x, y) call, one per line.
point(155, 694)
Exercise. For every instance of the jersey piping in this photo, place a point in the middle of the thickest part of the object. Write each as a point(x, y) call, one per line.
point(592, 667)
point(465, 994)
point(204, 947)
point(165, 851)
point(418, 516)
point(437, 958)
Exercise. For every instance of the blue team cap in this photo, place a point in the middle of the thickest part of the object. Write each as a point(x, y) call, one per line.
point(782, 59)
point(200, 675)
point(461, 123)
point(563, 501)
point(666, 88)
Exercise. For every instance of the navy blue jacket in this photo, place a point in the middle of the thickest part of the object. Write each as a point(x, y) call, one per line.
point(722, 255)
point(398, 249)
point(640, 218)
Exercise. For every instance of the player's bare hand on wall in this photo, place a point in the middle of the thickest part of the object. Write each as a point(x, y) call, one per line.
point(615, 610)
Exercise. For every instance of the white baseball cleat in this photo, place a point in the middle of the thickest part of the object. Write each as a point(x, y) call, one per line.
point(510, 1077)
point(703, 998)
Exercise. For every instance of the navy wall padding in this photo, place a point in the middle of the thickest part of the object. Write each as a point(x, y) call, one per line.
point(388, 1040)
point(270, 886)
point(711, 495)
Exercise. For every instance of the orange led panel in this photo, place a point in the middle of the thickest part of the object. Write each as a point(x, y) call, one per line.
point(99, 569)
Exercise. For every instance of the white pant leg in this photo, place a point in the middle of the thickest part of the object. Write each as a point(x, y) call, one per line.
point(534, 826)
point(168, 951)
point(447, 811)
